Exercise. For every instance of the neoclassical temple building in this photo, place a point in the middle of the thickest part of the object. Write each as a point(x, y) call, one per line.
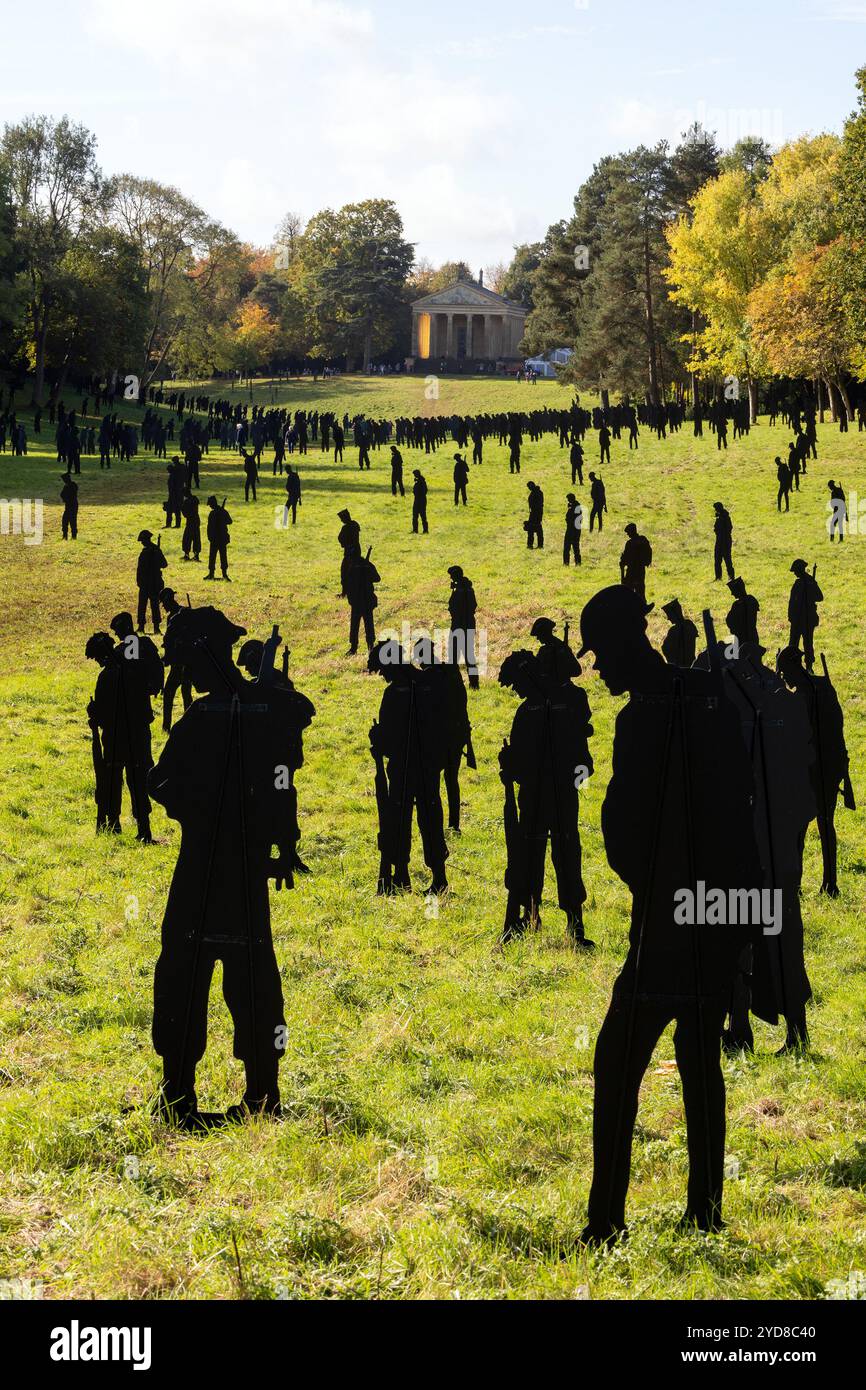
point(466, 324)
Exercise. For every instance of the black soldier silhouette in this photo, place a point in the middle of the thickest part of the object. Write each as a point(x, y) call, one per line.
point(681, 639)
point(803, 611)
point(360, 581)
point(742, 619)
point(177, 677)
point(293, 495)
point(419, 501)
point(148, 577)
point(452, 700)
point(677, 813)
point(635, 560)
point(547, 757)
point(69, 498)
point(349, 540)
point(575, 456)
point(397, 472)
point(783, 476)
point(251, 473)
point(191, 539)
point(830, 768)
point(409, 745)
point(598, 497)
point(138, 647)
point(120, 715)
point(838, 508)
point(573, 528)
point(723, 528)
point(219, 539)
point(534, 523)
point(462, 635)
point(771, 978)
point(223, 775)
point(461, 478)
point(250, 658)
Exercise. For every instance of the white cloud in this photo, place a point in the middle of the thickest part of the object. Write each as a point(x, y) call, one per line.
point(222, 32)
point(405, 116)
point(843, 11)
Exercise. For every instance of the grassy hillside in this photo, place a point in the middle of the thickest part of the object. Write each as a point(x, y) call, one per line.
point(438, 1091)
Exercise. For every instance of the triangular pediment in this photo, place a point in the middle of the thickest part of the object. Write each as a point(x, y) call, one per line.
point(464, 293)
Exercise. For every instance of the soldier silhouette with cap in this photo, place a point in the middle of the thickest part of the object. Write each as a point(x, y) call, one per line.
point(293, 495)
point(604, 444)
point(349, 540)
point(598, 497)
point(783, 476)
point(838, 508)
point(138, 647)
point(174, 477)
point(803, 611)
point(219, 539)
point(830, 768)
point(548, 758)
point(457, 730)
point(220, 777)
point(555, 658)
point(148, 577)
point(723, 528)
point(771, 979)
point(681, 639)
point(677, 812)
point(461, 478)
point(251, 473)
point(419, 501)
point(101, 649)
point(361, 578)
point(299, 711)
point(573, 528)
point(576, 460)
point(742, 619)
point(534, 524)
point(409, 744)
point(635, 560)
point(462, 636)
point(191, 539)
point(69, 498)
point(397, 472)
point(177, 677)
point(120, 715)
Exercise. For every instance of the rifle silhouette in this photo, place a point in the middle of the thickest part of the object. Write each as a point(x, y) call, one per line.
point(385, 884)
point(513, 845)
point(848, 799)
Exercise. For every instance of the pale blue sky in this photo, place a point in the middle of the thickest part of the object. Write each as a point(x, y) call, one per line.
point(480, 119)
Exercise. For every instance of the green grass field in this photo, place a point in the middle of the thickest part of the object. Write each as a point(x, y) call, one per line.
point(437, 1140)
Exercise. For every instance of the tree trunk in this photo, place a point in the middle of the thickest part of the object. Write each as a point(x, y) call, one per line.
point(650, 324)
point(753, 401)
point(831, 396)
point(846, 400)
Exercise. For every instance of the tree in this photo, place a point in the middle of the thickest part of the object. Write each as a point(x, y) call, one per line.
point(799, 324)
point(56, 190)
point(517, 281)
point(751, 156)
point(254, 338)
point(100, 308)
point(353, 266)
point(182, 252)
point(287, 241)
point(852, 215)
point(11, 281)
point(718, 257)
